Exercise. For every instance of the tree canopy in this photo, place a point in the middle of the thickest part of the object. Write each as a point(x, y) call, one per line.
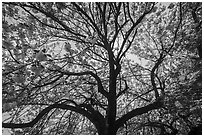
point(102, 67)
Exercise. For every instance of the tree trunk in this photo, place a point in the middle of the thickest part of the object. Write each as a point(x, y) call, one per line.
point(107, 130)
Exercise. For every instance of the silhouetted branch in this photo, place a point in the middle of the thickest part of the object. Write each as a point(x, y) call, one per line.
point(138, 111)
point(159, 61)
point(99, 83)
point(44, 112)
point(124, 90)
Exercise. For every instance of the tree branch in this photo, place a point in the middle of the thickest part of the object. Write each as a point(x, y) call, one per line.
point(92, 22)
point(44, 112)
point(130, 43)
point(48, 14)
point(159, 61)
point(99, 83)
point(161, 125)
point(40, 20)
point(138, 111)
point(130, 31)
point(177, 29)
point(124, 90)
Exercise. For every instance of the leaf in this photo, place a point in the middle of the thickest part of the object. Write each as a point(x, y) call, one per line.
point(67, 46)
point(158, 13)
point(8, 45)
point(40, 56)
point(19, 78)
point(171, 6)
point(154, 9)
point(9, 106)
point(93, 41)
point(6, 107)
point(178, 104)
point(37, 69)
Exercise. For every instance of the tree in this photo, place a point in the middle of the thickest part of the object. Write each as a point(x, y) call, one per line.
point(100, 68)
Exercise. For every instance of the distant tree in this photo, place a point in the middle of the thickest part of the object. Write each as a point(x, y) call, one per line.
point(101, 68)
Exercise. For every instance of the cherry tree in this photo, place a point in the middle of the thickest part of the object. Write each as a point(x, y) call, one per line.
point(95, 68)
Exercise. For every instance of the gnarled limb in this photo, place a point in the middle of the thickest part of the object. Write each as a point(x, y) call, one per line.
point(44, 112)
point(94, 116)
point(136, 112)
